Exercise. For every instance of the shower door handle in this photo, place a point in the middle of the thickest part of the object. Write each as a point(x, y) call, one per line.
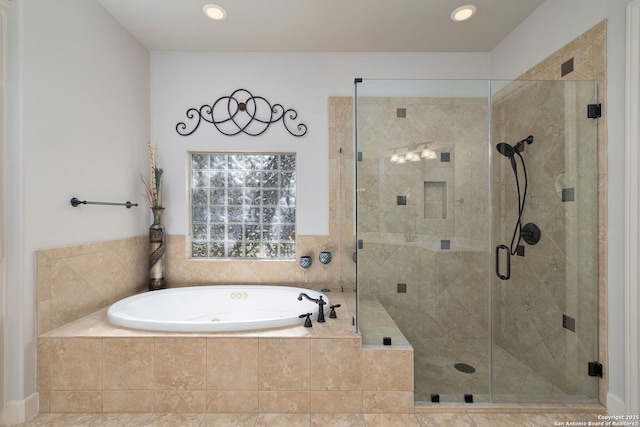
point(508, 251)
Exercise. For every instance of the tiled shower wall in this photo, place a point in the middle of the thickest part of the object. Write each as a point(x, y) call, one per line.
point(427, 267)
point(585, 58)
point(558, 276)
point(421, 268)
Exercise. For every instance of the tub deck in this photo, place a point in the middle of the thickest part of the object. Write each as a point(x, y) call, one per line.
point(90, 365)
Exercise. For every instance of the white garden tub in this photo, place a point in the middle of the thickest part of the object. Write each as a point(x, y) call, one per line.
point(215, 308)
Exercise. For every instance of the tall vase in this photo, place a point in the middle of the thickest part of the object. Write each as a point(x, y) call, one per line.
point(156, 250)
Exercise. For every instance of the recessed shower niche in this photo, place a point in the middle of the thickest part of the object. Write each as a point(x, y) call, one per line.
point(435, 200)
point(454, 308)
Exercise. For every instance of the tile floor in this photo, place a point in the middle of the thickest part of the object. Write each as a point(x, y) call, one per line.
point(457, 416)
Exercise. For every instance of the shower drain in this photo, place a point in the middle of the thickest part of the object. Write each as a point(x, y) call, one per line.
point(463, 367)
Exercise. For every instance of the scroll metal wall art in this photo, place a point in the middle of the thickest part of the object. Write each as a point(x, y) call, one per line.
point(241, 112)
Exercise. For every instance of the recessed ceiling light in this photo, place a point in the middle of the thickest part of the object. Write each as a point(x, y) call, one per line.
point(214, 12)
point(463, 13)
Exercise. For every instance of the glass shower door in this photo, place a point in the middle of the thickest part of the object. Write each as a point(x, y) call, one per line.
point(423, 229)
point(477, 234)
point(545, 292)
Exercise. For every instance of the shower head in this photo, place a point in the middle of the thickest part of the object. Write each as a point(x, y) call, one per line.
point(505, 149)
point(510, 151)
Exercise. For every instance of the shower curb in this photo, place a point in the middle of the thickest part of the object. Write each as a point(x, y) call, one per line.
point(511, 408)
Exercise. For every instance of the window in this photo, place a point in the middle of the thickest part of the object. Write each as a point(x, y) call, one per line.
point(243, 205)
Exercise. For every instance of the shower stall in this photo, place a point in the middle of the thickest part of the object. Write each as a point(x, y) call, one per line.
point(475, 233)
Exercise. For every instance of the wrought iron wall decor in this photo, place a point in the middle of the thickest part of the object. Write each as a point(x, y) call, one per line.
point(241, 112)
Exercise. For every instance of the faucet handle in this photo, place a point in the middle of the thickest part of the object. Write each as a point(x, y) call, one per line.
point(307, 322)
point(332, 313)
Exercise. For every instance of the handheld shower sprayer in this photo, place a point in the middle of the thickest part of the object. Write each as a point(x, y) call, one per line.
point(507, 151)
point(511, 151)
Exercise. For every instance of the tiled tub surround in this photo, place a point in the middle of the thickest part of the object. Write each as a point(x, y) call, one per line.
point(77, 280)
point(91, 366)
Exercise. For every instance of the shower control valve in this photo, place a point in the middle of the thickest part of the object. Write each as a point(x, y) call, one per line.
point(531, 233)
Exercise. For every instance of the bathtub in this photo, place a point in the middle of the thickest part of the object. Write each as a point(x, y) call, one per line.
point(215, 308)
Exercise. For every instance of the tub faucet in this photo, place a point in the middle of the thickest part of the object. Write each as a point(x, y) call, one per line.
point(321, 303)
point(307, 322)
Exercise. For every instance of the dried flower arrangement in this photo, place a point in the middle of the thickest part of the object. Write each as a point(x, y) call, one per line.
point(153, 186)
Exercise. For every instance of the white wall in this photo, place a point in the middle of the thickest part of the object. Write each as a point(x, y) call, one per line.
point(78, 124)
point(303, 82)
point(551, 26)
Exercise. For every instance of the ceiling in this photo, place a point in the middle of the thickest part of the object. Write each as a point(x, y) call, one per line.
point(320, 25)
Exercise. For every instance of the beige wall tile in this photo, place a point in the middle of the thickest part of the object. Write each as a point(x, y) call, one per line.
point(128, 363)
point(231, 420)
point(44, 317)
point(44, 397)
point(335, 364)
point(44, 365)
point(284, 364)
point(232, 363)
point(75, 401)
point(181, 400)
point(43, 276)
point(387, 370)
point(75, 364)
point(285, 402)
point(336, 402)
point(180, 363)
point(387, 402)
point(71, 298)
point(237, 401)
point(128, 401)
point(78, 280)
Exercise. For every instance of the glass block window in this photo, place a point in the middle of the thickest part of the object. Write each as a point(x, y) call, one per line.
point(243, 205)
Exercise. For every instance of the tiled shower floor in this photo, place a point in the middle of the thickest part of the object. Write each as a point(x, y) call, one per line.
point(434, 361)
